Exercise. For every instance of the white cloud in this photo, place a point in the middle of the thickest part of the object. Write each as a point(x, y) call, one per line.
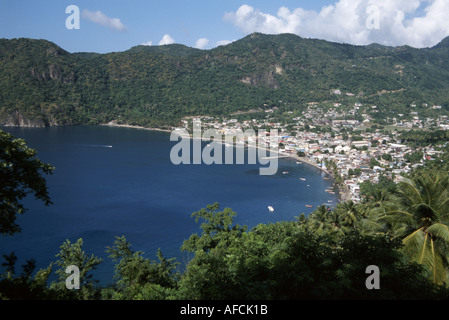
point(166, 39)
point(358, 22)
point(101, 19)
point(148, 43)
point(201, 43)
point(222, 43)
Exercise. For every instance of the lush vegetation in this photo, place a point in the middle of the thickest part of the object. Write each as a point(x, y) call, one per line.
point(21, 173)
point(425, 138)
point(42, 84)
point(403, 229)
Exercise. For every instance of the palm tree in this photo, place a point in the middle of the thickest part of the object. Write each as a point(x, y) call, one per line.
point(378, 197)
point(336, 224)
point(419, 213)
point(350, 212)
point(318, 219)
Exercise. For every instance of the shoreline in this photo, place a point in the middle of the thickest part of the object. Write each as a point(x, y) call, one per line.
point(343, 195)
point(116, 125)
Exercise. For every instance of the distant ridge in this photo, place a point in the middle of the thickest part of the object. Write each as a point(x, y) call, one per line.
point(442, 44)
point(44, 85)
point(178, 50)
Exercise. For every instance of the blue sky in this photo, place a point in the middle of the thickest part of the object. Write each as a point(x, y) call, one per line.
point(117, 25)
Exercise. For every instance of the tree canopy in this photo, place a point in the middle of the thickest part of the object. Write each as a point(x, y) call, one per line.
point(21, 173)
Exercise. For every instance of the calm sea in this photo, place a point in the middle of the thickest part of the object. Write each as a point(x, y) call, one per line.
point(119, 181)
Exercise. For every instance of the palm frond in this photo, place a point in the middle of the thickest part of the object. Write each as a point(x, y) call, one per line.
point(413, 242)
point(423, 249)
point(439, 230)
point(410, 185)
point(443, 206)
point(433, 262)
point(436, 264)
point(397, 216)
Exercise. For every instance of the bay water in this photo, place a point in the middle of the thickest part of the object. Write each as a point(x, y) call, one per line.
point(112, 181)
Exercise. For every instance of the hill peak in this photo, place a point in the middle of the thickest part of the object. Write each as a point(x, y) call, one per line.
point(443, 43)
point(174, 49)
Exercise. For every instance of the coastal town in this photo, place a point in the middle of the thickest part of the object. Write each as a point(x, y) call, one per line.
point(350, 150)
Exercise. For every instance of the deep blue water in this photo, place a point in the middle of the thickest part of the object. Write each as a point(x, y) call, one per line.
point(133, 189)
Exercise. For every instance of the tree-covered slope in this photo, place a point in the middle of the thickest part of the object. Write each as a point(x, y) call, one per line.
point(42, 84)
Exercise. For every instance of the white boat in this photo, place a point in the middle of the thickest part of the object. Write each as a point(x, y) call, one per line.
point(270, 208)
point(302, 179)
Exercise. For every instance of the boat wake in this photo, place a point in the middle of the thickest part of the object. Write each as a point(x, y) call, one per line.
point(99, 146)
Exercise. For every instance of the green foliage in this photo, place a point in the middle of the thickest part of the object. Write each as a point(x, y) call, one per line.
point(322, 256)
point(140, 278)
point(414, 211)
point(419, 213)
point(280, 261)
point(423, 138)
point(23, 286)
point(42, 84)
point(373, 162)
point(73, 254)
point(414, 157)
point(21, 173)
point(377, 192)
point(217, 229)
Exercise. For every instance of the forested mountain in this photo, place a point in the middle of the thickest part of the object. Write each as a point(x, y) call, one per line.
point(41, 84)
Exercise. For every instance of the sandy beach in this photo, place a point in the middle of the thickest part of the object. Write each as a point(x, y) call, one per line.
point(114, 124)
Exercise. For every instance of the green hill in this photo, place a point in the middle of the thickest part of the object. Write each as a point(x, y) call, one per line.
point(42, 84)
